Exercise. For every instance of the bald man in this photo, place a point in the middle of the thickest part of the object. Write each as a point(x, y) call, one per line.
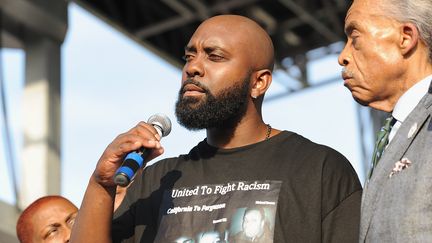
point(48, 219)
point(310, 192)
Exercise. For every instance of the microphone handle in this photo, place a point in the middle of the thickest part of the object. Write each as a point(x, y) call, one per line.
point(131, 164)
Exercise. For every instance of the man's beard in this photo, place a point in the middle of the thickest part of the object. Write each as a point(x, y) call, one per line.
point(222, 111)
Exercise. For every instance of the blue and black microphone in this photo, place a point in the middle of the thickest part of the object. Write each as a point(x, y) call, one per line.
point(134, 160)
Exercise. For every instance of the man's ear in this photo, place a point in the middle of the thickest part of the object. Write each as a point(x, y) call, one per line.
point(410, 38)
point(261, 82)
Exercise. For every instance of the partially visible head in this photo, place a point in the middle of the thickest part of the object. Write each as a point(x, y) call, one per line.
point(229, 63)
point(253, 222)
point(212, 237)
point(388, 48)
point(48, 219)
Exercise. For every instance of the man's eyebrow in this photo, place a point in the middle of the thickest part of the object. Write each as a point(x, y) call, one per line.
point(350, 27)
point(70, 216)
point(210, 49)
point(207, 49)
point(190, 49)
point(47, 227)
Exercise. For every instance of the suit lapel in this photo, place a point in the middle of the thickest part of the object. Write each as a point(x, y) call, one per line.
point(393, 153)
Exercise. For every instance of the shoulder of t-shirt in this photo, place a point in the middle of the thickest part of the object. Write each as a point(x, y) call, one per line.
point(333, 162)
point(307, 144)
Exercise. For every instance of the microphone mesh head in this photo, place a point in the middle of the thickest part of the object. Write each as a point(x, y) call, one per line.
point(161, 121)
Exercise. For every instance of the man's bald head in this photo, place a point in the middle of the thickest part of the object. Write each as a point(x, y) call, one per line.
point(33, 223)
point(249, 36)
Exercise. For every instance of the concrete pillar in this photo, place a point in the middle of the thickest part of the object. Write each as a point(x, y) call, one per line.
point(38, 26)
point(41, 26)
point(40, 169)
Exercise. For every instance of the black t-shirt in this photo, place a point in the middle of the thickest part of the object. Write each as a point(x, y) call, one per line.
point(286, 189)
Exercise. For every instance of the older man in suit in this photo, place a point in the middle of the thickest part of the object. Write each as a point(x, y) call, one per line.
point(387, 64)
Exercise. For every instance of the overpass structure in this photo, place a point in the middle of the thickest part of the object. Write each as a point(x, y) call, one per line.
point(164, 27)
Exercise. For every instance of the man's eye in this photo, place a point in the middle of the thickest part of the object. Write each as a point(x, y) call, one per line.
point(72, 221)
point(215, 57)
point(187, 57)
point(51, 233)
point(354, 39)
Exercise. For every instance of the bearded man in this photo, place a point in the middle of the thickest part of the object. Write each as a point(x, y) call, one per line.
point(311, 192)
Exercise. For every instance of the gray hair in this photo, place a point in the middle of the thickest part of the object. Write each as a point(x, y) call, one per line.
point(417, 12)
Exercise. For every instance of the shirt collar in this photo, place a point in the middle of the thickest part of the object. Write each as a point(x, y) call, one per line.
point(409, 100)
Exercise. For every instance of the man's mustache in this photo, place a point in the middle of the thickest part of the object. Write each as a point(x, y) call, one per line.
point(346, 73)
point(196, 83)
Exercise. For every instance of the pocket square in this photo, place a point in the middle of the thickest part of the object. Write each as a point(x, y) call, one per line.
point(399, 166)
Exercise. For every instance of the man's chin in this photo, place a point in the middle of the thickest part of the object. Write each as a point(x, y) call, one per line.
point(361, 101)
point(192, 101)
point(194, 105)
point(189, 124)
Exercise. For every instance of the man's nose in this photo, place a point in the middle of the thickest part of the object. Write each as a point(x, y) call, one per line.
point(343, 58)
point(66, 234)
point(194, 67)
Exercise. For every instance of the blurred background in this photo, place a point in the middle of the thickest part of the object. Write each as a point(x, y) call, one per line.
point(75, 74)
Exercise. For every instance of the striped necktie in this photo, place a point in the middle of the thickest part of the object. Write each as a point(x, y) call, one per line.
point(381, 142)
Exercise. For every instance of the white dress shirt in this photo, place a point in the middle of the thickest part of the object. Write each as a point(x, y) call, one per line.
point(407, 102)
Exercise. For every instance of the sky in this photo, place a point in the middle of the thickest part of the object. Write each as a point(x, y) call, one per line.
point(110, 83)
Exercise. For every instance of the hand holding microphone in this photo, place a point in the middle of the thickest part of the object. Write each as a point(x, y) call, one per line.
point(134, 160)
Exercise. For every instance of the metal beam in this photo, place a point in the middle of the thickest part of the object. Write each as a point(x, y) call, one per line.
point(164, 26)
point(178, 7)
point(201, 9)
point(312, 21)
point(186, 18)
point(112, 9)
point(34, 16)
point(332, 16)
point(229, 5)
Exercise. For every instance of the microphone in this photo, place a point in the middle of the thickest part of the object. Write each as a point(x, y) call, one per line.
point(134, 160)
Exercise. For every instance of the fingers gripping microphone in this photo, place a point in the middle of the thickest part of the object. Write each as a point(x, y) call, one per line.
point(134, 160)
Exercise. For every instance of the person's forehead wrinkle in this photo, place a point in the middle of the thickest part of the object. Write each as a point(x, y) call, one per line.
point(209, 38)
point(44, 229)
point(359, 8)
point(347, 15)
point(51, 225)
point(358, 20)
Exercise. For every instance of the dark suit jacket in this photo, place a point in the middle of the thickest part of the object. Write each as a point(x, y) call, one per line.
point(399, 208)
